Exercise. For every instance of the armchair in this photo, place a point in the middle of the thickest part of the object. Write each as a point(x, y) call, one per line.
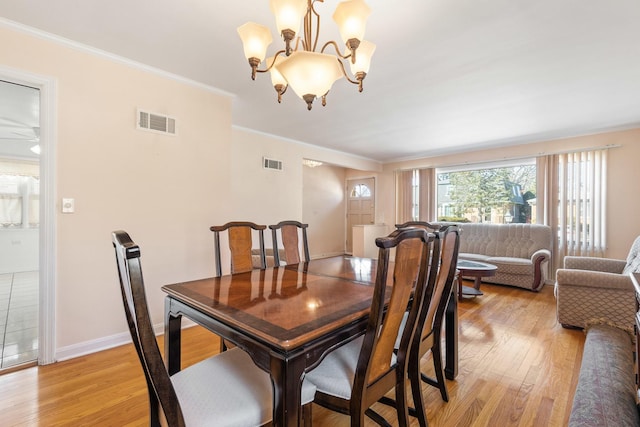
point(590, 289)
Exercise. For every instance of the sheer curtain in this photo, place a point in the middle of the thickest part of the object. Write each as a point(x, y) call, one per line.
point(573, 188)
point(427, 194)
point(404, 196)
point(415, 195)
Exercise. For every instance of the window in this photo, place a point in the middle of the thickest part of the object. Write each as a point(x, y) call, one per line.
point(502, 194)
point(19, 197)
point(360, 190)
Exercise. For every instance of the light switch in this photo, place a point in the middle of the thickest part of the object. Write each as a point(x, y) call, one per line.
point(68, 205)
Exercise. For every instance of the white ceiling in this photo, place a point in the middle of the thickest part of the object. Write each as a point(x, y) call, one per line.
point(447, 75)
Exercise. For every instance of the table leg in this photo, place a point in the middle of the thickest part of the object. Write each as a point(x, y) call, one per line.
point(172, 338)
point(451, 334)
point(470, 291)
point(286, 378)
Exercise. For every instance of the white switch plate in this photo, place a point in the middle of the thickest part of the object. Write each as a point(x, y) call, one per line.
point(68, 205)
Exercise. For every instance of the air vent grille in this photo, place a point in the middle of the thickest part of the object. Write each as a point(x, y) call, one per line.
point(154, 122)
point(271, 164)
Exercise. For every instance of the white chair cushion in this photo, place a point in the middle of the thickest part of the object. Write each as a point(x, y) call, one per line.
point(335, 374)
point(228, 390)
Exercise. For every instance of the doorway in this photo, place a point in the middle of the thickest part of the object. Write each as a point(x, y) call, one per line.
point(19, 223)
point(361, 202)
point(46, 85)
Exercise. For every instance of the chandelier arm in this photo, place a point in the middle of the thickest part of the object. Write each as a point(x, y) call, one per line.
point(344, 73)
point(273, 62)
point(337, 49)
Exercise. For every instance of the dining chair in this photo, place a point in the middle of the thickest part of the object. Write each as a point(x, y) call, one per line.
point(289, 231)
point(429, 324)
point(243, 256)
point(240, 234)
point(223, 390)
point(421, 224)
point(355, 375)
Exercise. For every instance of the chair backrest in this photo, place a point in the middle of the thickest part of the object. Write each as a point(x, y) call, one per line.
point(436, 299)
point(240, 235)
point(421, 224)
point(376, 371)
point(290, 241)
point(135, 307)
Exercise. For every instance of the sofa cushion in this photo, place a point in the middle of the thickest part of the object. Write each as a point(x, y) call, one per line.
point(473, 257)
point(509, 265)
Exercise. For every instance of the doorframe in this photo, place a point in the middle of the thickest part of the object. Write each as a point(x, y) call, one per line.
point(346, 205)
point(47, 239)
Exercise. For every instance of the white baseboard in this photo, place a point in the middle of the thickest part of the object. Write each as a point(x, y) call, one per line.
point(105, 343)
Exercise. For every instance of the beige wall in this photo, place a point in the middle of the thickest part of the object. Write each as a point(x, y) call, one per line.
point(623, 224)
point(122, 178)
point(266, 196)
point(323, 208)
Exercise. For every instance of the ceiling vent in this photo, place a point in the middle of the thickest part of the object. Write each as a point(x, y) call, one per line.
point(271, 164)
point(154, 122)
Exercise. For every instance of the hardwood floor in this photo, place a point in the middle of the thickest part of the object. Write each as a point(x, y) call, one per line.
point(518, 367)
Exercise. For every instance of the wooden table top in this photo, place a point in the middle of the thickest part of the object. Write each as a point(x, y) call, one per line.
point(289, 306)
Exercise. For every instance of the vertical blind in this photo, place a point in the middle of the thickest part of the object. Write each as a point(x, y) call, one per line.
point(574, 201)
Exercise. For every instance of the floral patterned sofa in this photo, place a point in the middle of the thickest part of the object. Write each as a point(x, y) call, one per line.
point(520, 251)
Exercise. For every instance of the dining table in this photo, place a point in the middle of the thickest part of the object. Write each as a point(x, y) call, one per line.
point(287, 319)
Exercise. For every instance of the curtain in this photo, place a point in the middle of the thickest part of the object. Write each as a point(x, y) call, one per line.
point(404, 196)
point(427, 194)
point(547, 202)
point(10, 210)
point(573, 188)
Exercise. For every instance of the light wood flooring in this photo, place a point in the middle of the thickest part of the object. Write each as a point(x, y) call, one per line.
point(518, 367)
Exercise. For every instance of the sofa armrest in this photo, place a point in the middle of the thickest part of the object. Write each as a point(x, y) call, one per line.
point(594, 264)
point(593, 279)
point(539, 274)
point(540, 255)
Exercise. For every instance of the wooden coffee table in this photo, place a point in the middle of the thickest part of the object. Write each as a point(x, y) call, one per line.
point(477, 270)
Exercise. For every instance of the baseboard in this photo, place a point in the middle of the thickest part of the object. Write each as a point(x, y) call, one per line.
point(327, 255)
point(105, 343)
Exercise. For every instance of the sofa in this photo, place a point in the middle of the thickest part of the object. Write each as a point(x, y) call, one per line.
point(520, 251)
point(590, 288)
point(606, 390)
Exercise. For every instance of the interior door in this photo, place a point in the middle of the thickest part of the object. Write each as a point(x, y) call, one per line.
point(360, 205)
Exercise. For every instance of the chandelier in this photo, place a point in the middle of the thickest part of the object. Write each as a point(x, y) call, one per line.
point(310, 73)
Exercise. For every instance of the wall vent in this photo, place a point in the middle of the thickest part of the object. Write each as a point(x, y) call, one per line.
point(154, 122)
point(271, 164)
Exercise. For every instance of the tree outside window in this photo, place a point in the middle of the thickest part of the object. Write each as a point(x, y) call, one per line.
point(496, 195)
